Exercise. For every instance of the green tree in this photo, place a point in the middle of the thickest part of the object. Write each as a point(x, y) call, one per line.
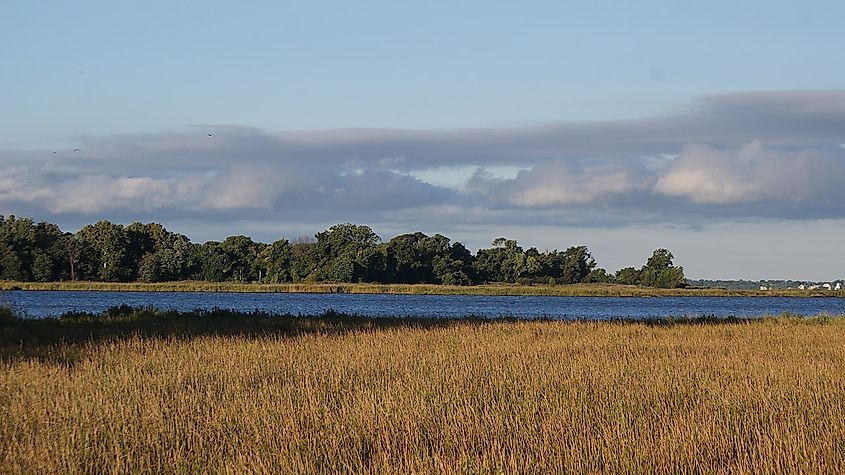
point(43, 267)
point(108, 255)
point(349, 253)
point(11, 267)
point(18, 243)
point(150, 268)
point(305, 259)
point(577, 265)
point(212, 262)
point(506, 261)
point(628, 276)
point(408, 259)
point(418, 258)
point(172, 252)
point(242, 254)
point(598, 276)
point(276, 259)
point(69, 248)
point(660, 272)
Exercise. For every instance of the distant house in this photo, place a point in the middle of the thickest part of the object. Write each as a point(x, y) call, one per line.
point(826, 286)
point(813, 287)
point(838, 286)
point(801, 287)
point(763, 287)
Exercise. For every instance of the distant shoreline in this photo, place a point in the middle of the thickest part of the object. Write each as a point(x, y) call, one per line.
point(574, 290)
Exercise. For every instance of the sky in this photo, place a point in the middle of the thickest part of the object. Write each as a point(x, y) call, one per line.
point(714, 129)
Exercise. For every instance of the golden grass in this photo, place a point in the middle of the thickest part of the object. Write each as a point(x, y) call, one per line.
point(538, 397)
point(592, 290)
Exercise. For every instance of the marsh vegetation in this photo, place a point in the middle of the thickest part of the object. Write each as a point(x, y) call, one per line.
point(147, 391)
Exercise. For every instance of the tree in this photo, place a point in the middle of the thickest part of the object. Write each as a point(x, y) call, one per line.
point(70, 247)
point(577, 264)
point(107, 257)
point(242, 253)
point(212, 262)
point(150, 268)
point(598, 276)
point(418, 258)
point(42, 267)
point(628, 276)
point(305, 259)
point(349, 253)
point(660, 272)
point(276, 260)
point(17, 246)
point(505, 262)
point(409, 259)
point(11, 267)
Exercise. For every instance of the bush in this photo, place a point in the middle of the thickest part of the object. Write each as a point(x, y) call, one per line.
point(7, 314)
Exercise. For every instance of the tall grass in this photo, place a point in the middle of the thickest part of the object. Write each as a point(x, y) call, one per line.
point(597, 290)
point(329, 395)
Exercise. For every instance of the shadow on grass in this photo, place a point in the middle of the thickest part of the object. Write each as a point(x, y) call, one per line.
point(65, 339)
point(58, 339)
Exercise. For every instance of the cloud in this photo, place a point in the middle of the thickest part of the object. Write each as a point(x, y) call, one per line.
point(563, 183)
point(773, 154)
point(246, 186)
point(753, 174)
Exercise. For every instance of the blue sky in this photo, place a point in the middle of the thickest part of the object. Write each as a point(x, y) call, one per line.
point(681, 117)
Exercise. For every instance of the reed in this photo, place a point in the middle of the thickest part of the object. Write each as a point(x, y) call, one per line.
point(338, 394)
point(585, 290)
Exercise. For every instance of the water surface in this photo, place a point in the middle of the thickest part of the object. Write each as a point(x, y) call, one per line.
point(54, 303)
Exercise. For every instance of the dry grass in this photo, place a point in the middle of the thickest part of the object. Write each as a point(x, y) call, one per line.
point(537, 397)
point(591, 290)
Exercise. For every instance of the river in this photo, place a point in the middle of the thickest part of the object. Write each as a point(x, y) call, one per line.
point(39, 304)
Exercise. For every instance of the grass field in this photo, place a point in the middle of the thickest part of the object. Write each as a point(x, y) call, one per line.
point(593, 290)
point(143, 391)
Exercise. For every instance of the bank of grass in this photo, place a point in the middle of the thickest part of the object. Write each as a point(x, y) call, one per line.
point(587, 290)
point(162, 392)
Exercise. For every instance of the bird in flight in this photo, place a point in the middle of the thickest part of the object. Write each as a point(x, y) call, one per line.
point(210, 134)
point(76, 150)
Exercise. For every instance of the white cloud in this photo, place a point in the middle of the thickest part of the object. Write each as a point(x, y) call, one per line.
point(561, 184)
point(700, 164)
point(753, 173)
point(246, 186)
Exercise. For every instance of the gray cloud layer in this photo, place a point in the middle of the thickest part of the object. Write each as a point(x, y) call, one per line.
point(758, 154)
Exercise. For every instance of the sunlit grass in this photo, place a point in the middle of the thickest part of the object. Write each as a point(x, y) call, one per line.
point(597, 290)
point(399, 396)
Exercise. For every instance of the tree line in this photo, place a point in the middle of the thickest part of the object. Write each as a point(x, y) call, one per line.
point(148, 252)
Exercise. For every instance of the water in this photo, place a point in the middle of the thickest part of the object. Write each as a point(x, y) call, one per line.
point(54, 303)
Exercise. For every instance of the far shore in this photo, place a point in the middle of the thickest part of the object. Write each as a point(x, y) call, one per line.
point(575, 290)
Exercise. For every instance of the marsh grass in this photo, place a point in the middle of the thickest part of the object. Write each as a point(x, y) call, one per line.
point(586, 290)
point(148, 391)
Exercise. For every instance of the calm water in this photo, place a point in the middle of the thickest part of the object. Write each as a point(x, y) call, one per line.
point(51, 303)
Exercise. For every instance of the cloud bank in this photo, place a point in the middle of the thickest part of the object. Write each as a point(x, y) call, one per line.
point(774, 155)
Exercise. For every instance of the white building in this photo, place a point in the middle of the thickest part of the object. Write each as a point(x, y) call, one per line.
point(838, 286)
point(826, 286)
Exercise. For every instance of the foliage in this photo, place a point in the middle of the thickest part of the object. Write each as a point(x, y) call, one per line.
point(660, 272)
point(147, 252)
point(628, 276)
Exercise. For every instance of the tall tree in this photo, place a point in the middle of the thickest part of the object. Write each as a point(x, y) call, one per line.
point(577, 265)
point(108, 255)
point(660, 272)
point(242, 254)
point(349, 253)
point(275, 259)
